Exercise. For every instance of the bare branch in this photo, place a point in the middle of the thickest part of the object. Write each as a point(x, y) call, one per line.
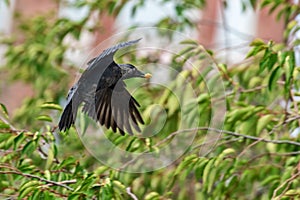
point(286, 183)
point(131, 194)
point(257, 139)
point(16, 131)
point(61, 184)
point(231, 133)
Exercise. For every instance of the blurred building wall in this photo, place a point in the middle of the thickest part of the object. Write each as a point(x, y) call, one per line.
point(12, 94)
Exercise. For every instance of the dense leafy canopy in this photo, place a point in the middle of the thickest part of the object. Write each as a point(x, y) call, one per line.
point(255, 157)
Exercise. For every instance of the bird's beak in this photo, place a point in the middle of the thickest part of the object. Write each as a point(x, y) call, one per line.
point(147, 75)
point(140, 74)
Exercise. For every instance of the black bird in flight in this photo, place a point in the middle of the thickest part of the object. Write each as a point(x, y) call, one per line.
point(102, 92)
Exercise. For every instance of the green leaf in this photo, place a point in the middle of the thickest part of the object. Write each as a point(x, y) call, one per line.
point(265, 3)
point(187, 160)
point(111, 6)
point(3, 125)
point(289, 70)
point(208, 168)
point(51, 106)
point(131, 144)
point(4, 109)
point(211, 179)
point(152, 196)
point(18, 140)
point(84, 123)
point(179, 10)
point(272, 59)
point(100, 170)
point(120, 140)
point(255, 50)
point(248, 126)
point(50, 157)
point(203, 98)
point(66, 163)
point(275, 75)
point(263, 122)
point(4, 136)
point(172, 104)
point(223, 154)
point(118, 186)
point(29, 148)
point(36, 195)
point(27, 188)
point(190, 42)
point(185, 51)
point(7, 2)
point(268, 61)
point(200, 167)
point(9, 142)
point(292, 161)
point(47, 174)
point(46, 118)
point(257, 42)
point(240, 114)
point(269, 179)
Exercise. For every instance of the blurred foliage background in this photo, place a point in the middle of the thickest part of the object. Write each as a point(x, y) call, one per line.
point(256, 156)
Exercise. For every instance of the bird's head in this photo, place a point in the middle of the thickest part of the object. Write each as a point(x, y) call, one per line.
point(130, 71)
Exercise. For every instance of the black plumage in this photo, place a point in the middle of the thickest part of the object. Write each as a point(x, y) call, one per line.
point(102, 91)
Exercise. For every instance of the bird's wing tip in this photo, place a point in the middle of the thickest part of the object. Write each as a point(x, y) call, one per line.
point(135, 41)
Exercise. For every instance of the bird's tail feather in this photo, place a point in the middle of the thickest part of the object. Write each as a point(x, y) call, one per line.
point(68, 117)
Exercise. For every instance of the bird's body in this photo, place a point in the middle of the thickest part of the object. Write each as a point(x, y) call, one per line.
point(102, 92)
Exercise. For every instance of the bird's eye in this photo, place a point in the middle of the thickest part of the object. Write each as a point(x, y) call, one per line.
point(130, 66)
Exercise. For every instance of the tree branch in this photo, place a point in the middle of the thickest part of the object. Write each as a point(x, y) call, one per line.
point(16, 131)
point(231, 133)
point(61, 184)
point(286, 183)
point(257, 139)
point(131, 194)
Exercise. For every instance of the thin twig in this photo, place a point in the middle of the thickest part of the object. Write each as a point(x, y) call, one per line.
point(64, 182)
point(209, 142)
point(291, 119)
point(295, 104)
point(45, 187)
point(240, 90)
point(286, 182)
point(7, 122)
point(16, 131)
point(131, 194)
point(283, 123)
point(61, 184)
point(273, 154)
point(233, 134)
point(217, 131)
point(248, 147)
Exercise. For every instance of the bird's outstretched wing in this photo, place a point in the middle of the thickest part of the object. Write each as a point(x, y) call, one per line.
point(115, 108)
point(97, 66)
point(108, 54)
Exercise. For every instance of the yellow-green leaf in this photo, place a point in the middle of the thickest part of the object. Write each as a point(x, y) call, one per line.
point(263, 122)
point(46, 118)
point(51, 106)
